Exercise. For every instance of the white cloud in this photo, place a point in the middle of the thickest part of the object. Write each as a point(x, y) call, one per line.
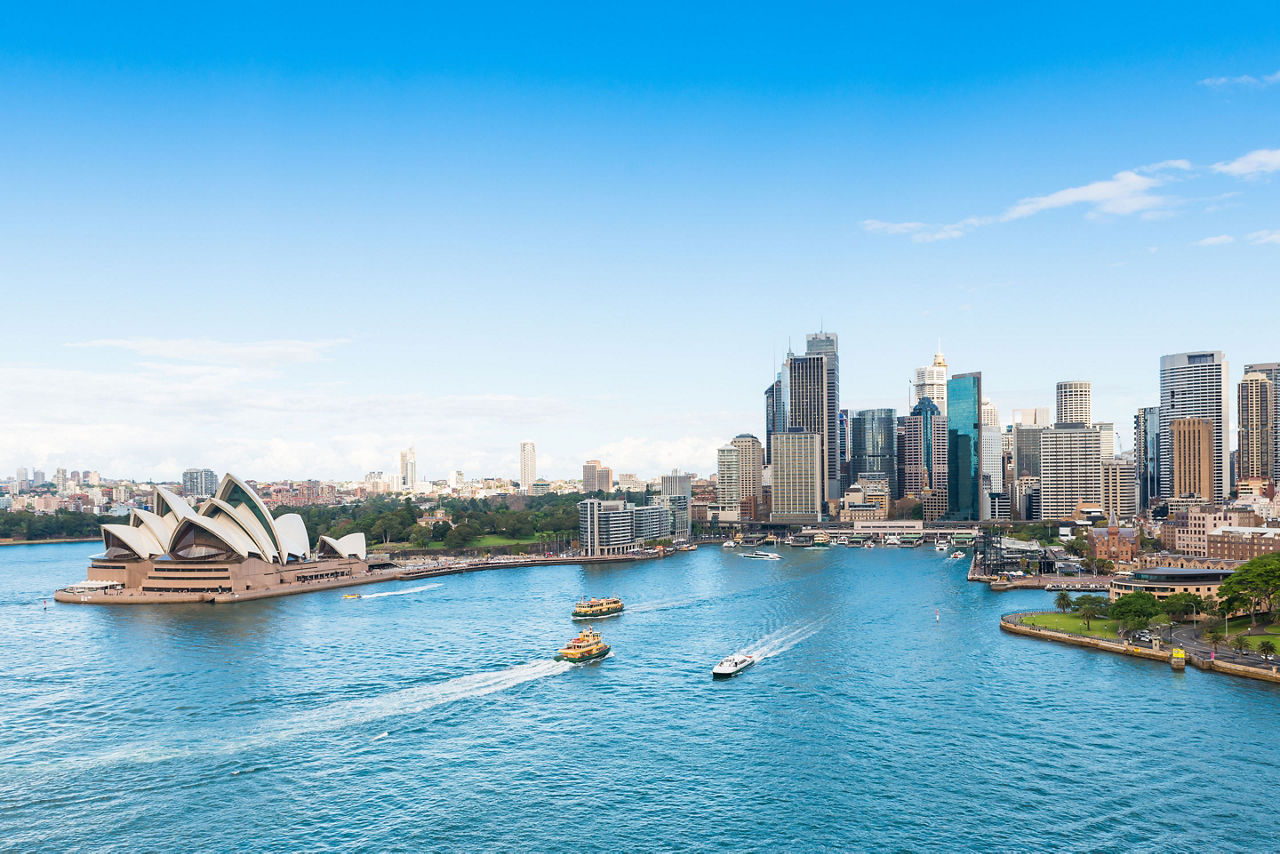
point(1217, 240)
point(210, 352)
point(876, 226)
point(1271, 235)
point(1260, 162)
point(1241, 80)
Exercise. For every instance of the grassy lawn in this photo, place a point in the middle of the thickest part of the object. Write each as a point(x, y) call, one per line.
point(1254, 640)
point(1098, 628)
point(489, 541)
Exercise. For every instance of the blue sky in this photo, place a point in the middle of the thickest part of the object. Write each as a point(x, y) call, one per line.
point(290, 242)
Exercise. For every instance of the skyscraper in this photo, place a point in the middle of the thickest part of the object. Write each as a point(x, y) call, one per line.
point(873, 445)
point(1119, 488)
point(528, 465)
point(1070, 469)
point(797, 481)
point(1194, 385)
point(408, 469)
point(1191, 444)
point(1257, 413)
point(750, 467)
point(964, 447)
point(1146, 454)
point(1075, 403)
point(827, 345)
point(775, 412)
point(931, 382)
point(728, 488)
point(923, 458)
point(1271, 370)
point(677, 484)
point(589, 470)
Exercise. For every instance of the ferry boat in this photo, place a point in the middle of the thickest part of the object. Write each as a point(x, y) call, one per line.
point(587, 646)
point(821, 541)
point(687, 547)
point(758, 555)
point(732, 666)
point(771, 540)
point(588, 609)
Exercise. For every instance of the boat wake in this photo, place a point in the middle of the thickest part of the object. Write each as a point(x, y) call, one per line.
point(784, 639)
point(401, 592)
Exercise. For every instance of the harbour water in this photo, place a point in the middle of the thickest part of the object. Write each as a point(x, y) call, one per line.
point(431, 716)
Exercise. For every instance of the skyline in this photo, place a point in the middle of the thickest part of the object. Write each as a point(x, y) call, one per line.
point(308, 244)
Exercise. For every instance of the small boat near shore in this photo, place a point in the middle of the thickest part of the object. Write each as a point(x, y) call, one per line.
point(587, 646)
point(732, 666)
point(940, 546)
point(729, 544)
point(759, 555)
point(590, 609)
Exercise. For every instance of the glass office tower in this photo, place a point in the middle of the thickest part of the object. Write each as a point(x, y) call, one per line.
point(964, 447)
point(873, 445)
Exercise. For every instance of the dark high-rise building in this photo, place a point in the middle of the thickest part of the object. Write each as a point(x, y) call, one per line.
point(873, 445)
point(826, 345)
point(1026, 450)
point(923, 458)
point(964, 447)
point(807, 408)
point(775, 413)
point(1146, 454)
point(1195, 386)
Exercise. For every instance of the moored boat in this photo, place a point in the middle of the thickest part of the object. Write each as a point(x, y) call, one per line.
point(821, 541)
point(587, 646)
point(729, 544)
point(732, 666)
point(593, 608)
point(940, 546)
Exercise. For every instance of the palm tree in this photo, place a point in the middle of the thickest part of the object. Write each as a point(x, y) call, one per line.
point(1062, 601)
point(1267, 647)
point(1239, 644)
point(1213, 637)
point(1087, 612)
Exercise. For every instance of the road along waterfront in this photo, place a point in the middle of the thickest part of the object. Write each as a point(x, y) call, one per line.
point(887, 713)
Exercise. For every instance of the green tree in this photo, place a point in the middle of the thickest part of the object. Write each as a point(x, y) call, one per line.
point(1213, 637)
point(1267, 647)
point(1239, 644)
point(1255, 583)
point(1139, 605)
point(1088, 612)
point(1062, 601)
point(1179, 605)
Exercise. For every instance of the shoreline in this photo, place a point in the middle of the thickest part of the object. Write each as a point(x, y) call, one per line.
point(1012, 624)
point(53, 542)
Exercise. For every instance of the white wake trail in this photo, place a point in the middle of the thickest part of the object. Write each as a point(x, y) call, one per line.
point(784, 639)
point(401, 592)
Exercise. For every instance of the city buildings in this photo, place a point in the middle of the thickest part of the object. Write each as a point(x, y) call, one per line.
point(924, 458)
point(528, 465)
point(728, 492)
point(1271, 370)
point(775, 411)
point(931, 382)
point(1070, 469)
point(797, 488)
point(616, 527)
point(1195, 385)
point(1256, 411)
point(1075, 403)
point(1192, 458)
point(596, 477)
point(1119, 488)
point(1146, 451)
point(873, 445)
point(408, 469)
point(199, 483)
point(964, 447)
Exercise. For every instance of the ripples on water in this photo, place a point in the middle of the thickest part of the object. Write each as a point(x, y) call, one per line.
point(438, 721)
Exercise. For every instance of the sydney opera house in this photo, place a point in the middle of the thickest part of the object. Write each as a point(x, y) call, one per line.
point(227, 549)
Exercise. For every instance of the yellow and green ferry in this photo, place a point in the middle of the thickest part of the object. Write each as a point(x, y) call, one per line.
point(587, 646)
point(594, 609)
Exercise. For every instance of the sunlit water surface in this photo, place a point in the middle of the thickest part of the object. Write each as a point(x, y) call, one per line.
point(888, 712)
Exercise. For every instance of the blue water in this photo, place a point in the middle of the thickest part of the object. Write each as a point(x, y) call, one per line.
point(436, 719)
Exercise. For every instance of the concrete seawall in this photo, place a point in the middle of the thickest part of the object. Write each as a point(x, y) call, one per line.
point(1011, 623)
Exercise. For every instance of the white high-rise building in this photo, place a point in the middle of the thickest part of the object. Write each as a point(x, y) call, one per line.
point(1041, 416)
point(1075, 403)
point(728, 492)
point(199, 483)
point(528, 465)
point(931, 382)
point(750, 466)
point(990, 414)
point(1070, 469)
point(1196, 385)
point(408, 469)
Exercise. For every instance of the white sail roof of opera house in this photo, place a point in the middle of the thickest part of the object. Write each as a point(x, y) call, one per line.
point(234, 523)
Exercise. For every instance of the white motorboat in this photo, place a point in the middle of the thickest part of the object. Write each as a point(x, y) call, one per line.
point(891, 541)
point(759, 555)
point(957, 555)
point(868, 545)
point(842, 541)
point(729, 544)
point(940, 546)
point(732, 666)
